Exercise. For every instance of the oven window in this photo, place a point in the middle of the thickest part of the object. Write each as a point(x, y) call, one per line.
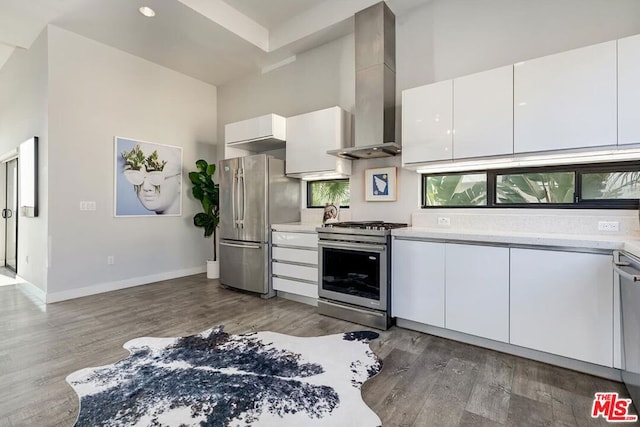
point(351, 272)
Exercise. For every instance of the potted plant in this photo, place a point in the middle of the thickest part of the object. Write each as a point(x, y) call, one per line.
point(207, 192)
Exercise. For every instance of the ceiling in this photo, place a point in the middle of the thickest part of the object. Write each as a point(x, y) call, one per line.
point(212, 40)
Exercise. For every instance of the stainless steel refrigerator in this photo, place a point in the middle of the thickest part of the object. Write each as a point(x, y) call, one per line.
point(254, 193)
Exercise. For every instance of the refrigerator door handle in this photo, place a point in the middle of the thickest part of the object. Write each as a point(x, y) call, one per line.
point(235, 245)
point(244, 199)
point(233, 199)
point(240, 216)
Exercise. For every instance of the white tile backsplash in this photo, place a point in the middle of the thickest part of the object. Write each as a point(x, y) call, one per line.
point(564, 221)
point(314, 216)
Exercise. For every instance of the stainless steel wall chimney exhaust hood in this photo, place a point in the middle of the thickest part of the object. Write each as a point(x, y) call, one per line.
point(375, 118)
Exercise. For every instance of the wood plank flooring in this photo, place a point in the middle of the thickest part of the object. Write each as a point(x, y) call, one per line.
point(426, 380)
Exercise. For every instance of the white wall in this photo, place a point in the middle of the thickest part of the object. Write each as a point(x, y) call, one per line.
point(23, 114)
point(440, 40)
point(96, 93)
point(453, 38)
point(320, 78)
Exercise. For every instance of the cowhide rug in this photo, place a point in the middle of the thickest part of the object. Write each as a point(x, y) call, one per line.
point(217, 379)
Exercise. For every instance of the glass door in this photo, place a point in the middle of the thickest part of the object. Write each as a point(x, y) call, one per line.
point(10, 215)
point(354, 273)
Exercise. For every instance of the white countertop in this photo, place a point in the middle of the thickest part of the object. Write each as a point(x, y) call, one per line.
point(605, 242)
point(594, 241)
point(296, 227)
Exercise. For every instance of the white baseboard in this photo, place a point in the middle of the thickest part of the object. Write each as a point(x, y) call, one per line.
point(121, 284)
point(31, 290)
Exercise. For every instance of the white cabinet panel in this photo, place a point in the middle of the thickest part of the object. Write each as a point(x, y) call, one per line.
point(295, 271)
point(417, 289)
point(308, 240)
point(427, 123)
point(295, 255)
point(269, 125)
point(483, 114)
point(311, 135)
point(566, 100)
point(629, 90)
point(477, 290)
point(293, 287)
point(562, 303)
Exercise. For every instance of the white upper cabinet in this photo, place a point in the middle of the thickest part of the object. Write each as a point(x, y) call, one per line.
point(427, 123)
point(311, 135)
point(629, 90)
point(483, 114)
point(263, 133)
point(566, 100)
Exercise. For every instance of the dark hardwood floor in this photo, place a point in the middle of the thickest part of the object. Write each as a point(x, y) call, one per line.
point(426, 380)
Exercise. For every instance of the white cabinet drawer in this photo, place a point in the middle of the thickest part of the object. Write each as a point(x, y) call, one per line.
point(306, 256)
point(295, 271)
point(307, 240)
point(298, 288)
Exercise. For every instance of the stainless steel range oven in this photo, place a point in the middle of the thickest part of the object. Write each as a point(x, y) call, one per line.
point(354, 268)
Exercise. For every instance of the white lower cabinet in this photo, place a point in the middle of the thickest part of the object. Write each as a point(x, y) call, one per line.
point(459, 287)
point(294, 264)
point(477, 290)
point(562, 303)
point(557, 302)
point(417, 289)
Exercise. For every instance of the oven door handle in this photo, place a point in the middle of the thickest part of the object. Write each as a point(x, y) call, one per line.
point(354, 246)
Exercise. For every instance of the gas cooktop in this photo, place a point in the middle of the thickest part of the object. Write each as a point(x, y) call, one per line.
point(366, 225)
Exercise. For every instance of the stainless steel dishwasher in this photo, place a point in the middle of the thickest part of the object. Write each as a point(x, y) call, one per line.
point(628, 268)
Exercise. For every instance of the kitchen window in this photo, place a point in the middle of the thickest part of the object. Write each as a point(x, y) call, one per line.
point(596, 186)
point(334, 191)
point(456, 189)
point(535, 187)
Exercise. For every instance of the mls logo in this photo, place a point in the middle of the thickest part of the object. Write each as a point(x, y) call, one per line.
point(611, 408)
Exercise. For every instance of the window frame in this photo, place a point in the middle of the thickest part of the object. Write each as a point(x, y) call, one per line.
point(578, 201)
point(310, 204)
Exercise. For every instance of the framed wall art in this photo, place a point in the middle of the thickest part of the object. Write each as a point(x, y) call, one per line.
point(380, 184)
point(148, 178)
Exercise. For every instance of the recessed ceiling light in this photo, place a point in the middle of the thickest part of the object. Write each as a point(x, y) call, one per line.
point(147, 11)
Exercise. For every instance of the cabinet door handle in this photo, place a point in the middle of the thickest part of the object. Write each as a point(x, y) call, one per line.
point(633, 277)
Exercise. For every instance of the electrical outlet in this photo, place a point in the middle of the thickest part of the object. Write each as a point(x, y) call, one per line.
point(111, 260)
point(26, 259)
point(608, 226)
point(444, 221)
point(87, 206)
